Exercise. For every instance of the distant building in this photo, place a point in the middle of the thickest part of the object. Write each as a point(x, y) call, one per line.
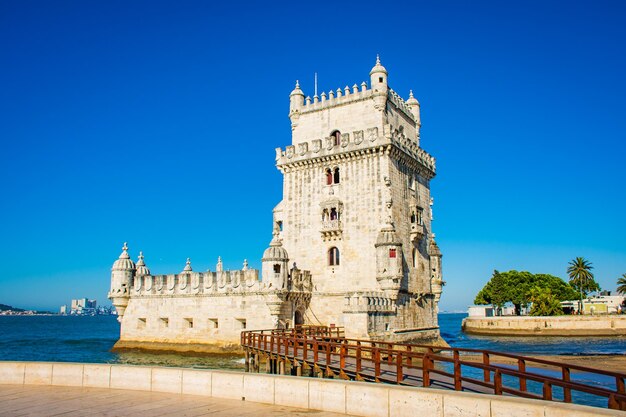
point(605, 303)
point(83, 306)
point(63, 310)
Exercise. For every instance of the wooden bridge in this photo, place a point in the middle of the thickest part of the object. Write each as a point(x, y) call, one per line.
point(318, 351)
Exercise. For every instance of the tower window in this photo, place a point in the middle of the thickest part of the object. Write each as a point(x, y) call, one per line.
point(280, 225)
point(392, 253)
point(277, 268)
point(336, 135)
point(380, 79)
point(333, 214)
point(332, 176)
point(333, 256)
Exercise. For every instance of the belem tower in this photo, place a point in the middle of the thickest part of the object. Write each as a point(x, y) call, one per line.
point(352, 239)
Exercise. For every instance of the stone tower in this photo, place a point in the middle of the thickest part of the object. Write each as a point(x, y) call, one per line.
point(356, 210)
point(122, 274)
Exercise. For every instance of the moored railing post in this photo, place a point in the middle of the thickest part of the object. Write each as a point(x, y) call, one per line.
point(358, 356)
point(497, 382)
point(567, 391)
point(521, 366)
point(547, 391)
point(342, 356)
point(409, 357)
point(376, 358)
point(399, 375)
point(315, 351)
point(458, 382)
point(426, 370)
point(487, 371)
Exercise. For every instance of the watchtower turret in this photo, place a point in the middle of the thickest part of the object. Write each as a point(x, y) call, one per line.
point(275, 263)
point(389, 270)
point(378, 77)
point(122, 274)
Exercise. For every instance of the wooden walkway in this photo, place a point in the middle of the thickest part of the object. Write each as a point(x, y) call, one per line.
point(318, 351)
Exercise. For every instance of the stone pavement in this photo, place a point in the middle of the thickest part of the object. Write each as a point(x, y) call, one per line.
point(25, 400)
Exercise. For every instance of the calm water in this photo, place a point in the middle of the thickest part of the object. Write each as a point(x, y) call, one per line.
point(89, 339)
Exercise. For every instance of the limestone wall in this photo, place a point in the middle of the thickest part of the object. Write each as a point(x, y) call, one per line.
point(547, 326)
point(346, 397)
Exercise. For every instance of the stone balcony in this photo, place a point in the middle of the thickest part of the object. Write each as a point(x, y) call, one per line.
point(417, 232)
point(331, 229)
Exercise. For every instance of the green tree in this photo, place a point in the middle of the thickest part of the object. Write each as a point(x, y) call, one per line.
point(581, 278)
point(621, 284)
point(545, 303)
point(515, 287)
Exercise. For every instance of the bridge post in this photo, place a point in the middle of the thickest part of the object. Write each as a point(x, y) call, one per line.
point(247, 360)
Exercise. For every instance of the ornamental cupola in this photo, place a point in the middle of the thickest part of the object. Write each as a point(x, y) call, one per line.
point(141, 268)
point(378, 77)
point(123, 263)
point(187, 268)
point(275, 263)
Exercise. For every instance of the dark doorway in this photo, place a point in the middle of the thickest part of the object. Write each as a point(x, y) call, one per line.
point(298, 318)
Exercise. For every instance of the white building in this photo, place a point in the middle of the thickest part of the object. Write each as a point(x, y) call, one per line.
point(352, 238)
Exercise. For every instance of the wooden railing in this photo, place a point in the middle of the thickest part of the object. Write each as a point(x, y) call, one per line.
point(327, 350)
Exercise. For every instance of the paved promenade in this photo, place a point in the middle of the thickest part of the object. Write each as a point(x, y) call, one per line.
point(24, 400)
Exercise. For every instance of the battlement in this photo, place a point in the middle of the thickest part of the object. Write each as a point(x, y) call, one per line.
point(360, 141)
point(349, 95)
point(226, 282)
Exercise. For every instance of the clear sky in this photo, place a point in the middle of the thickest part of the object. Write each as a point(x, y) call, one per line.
point(156, 122)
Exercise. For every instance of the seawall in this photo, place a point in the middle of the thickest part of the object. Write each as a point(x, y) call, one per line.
point(610, 325)
point(346, 397)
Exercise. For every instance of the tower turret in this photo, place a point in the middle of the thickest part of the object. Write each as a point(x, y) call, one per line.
point(389, 270)
point(141, 268)
point(296, 102)
point(414, 106)
point(436, 280)
point(275, 264)
point(378, 77)
point(122, 274)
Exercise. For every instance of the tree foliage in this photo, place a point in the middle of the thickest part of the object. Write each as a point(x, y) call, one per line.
point(581, 277)
point(545, 303)
point(516, 287)
point(621, 284)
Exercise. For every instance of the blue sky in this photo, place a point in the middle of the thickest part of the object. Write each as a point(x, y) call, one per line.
point(156, 122)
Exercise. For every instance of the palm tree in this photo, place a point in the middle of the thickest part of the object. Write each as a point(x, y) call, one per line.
point(621, 284)
point(580, 275)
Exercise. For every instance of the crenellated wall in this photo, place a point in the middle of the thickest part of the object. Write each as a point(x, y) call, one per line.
point(194, 283)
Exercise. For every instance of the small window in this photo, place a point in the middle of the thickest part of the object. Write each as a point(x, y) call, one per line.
point(214, 323)
point(336, 135)
point(334, 215)
point(329, 177)
point(277, 268)
point(380, 79)
point(141, 323)
point(386, 327)
point(242, 323)
point(325, 215)
point(333, 256)
point(189, 323)
point(413, 217)
point(392, 253)
point(280, 225)
point(165, 322)
point(336, 176)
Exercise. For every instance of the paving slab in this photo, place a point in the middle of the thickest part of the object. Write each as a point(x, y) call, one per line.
point(62, 401)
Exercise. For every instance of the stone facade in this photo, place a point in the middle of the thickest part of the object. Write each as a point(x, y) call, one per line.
point(353, 243)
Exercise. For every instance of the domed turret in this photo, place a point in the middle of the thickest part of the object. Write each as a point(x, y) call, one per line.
point(123, 263)
point(378, 77)
point(141, 268)
point(414, 105)
point(296, 100)
point(436, 279)
point(122, 274)
point(275, 263)
point(187, 268)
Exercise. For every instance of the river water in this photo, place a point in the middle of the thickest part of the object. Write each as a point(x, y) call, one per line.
point(89, 339)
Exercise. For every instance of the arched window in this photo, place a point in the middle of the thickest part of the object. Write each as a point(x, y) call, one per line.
point(325, 215)
point(333, 256)
point(329, 177)
point(336, 135)
point(277, 268)
point(336, 176)
point(333, 214)
point(413, 217)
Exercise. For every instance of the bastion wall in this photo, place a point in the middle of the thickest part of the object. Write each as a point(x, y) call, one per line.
point(546, 326)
